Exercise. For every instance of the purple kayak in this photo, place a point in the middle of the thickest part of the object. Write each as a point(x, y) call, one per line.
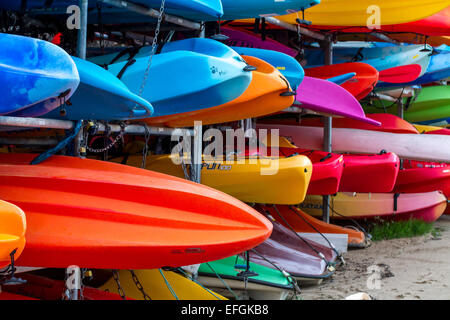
point(238, 38)
point(329, 98)
point(288, 252)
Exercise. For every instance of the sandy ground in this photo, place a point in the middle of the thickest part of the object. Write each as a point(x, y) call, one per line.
point(414, 269)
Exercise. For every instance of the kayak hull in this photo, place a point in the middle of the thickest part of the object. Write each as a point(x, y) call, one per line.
point(35, 76)
point(360, 86)
point(263, 96)
point(425, 147)
point(96, 214)
point(380, 172)
point(249, 179)
point(153, 283)
point(427, 206)
point(304, 223)
point(12, 232)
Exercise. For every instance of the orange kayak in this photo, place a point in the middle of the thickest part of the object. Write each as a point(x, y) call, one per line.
point(96, 214)
point(267, 93)
point(12, 232)
point(302, 222)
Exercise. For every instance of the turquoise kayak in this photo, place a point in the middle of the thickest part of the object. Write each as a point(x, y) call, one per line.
point(197, 10)
point(187, 75)
point(209, 8)
point(101, 96)
point(35, 76)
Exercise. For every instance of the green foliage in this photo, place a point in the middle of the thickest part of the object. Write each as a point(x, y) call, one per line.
point(401, 229)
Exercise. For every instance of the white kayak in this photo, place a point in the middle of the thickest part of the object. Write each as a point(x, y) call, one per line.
point(426, 147)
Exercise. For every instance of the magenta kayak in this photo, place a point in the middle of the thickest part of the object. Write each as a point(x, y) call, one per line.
point(340, 102)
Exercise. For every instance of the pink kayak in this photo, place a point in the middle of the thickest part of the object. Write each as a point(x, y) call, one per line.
point(340, 102)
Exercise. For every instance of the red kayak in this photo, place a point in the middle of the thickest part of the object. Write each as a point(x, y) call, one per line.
point(443, 131)
point(419, 176)
point(389, 123)
point(41, 288)
point(359, 86)
point(12, 296)
point(327, 169)
point(103, 215)
point(369, 173)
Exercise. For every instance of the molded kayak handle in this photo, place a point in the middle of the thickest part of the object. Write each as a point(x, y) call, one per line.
point(142, 111)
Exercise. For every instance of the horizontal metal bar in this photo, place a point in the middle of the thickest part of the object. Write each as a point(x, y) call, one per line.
point(292, 27)
point(29, 141)
point(67, 125)
point(35, 123)
point(384, 37)
point(154, 14)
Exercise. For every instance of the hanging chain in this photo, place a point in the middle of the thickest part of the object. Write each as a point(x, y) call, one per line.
point(119, 286)
point(145, 150)
point(154, 44)
point(112, 144)
point(139, 285)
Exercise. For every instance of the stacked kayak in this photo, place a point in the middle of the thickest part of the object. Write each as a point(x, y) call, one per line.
point(267, 93)
point(250, 179)
point(365, 79)
point(154, 284)
point(429, 107)
point(396, 64)
point(409, 146)
point(65, 200)
point(427, 206)
point(212, 74)
point(264, 284)
point(333, 172)
point(12, 232)
point(293, 217)
point(355, 13)
point(35, 76)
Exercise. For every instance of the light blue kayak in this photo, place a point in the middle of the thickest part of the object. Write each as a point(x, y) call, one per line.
point(187, 75)
point(198, 10)
point(35, 76)
point(101, 96)
point(208, 8)
point(287, 65)
point(438, 69)
point(381, 58)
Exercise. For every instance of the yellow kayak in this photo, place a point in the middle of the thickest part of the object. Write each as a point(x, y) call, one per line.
point(358, 13)
point(251, 179)
point(424, 128)
point(12, 232)
point(160, 285)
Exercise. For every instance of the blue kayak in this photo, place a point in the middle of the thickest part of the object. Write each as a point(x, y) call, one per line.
point(35, 76)
point(198, 10)
point(187, 75)
point(381, 58)
point(101, 96)
point(438, 69)
point(208, 8)
point(287, 65)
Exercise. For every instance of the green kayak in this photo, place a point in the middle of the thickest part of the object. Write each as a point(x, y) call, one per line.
point(268, 284)
point(432, 106)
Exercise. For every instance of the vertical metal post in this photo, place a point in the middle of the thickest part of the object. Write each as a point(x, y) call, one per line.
point(82, 32)
point(196, 152)
point(400, 108)
point(202, 32)
point(327, 132)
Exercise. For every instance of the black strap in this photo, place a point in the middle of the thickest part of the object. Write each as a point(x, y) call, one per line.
point(396, 201)
point(256, 25)
point(125, 67)
point(358, 56)
point(263, 29)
